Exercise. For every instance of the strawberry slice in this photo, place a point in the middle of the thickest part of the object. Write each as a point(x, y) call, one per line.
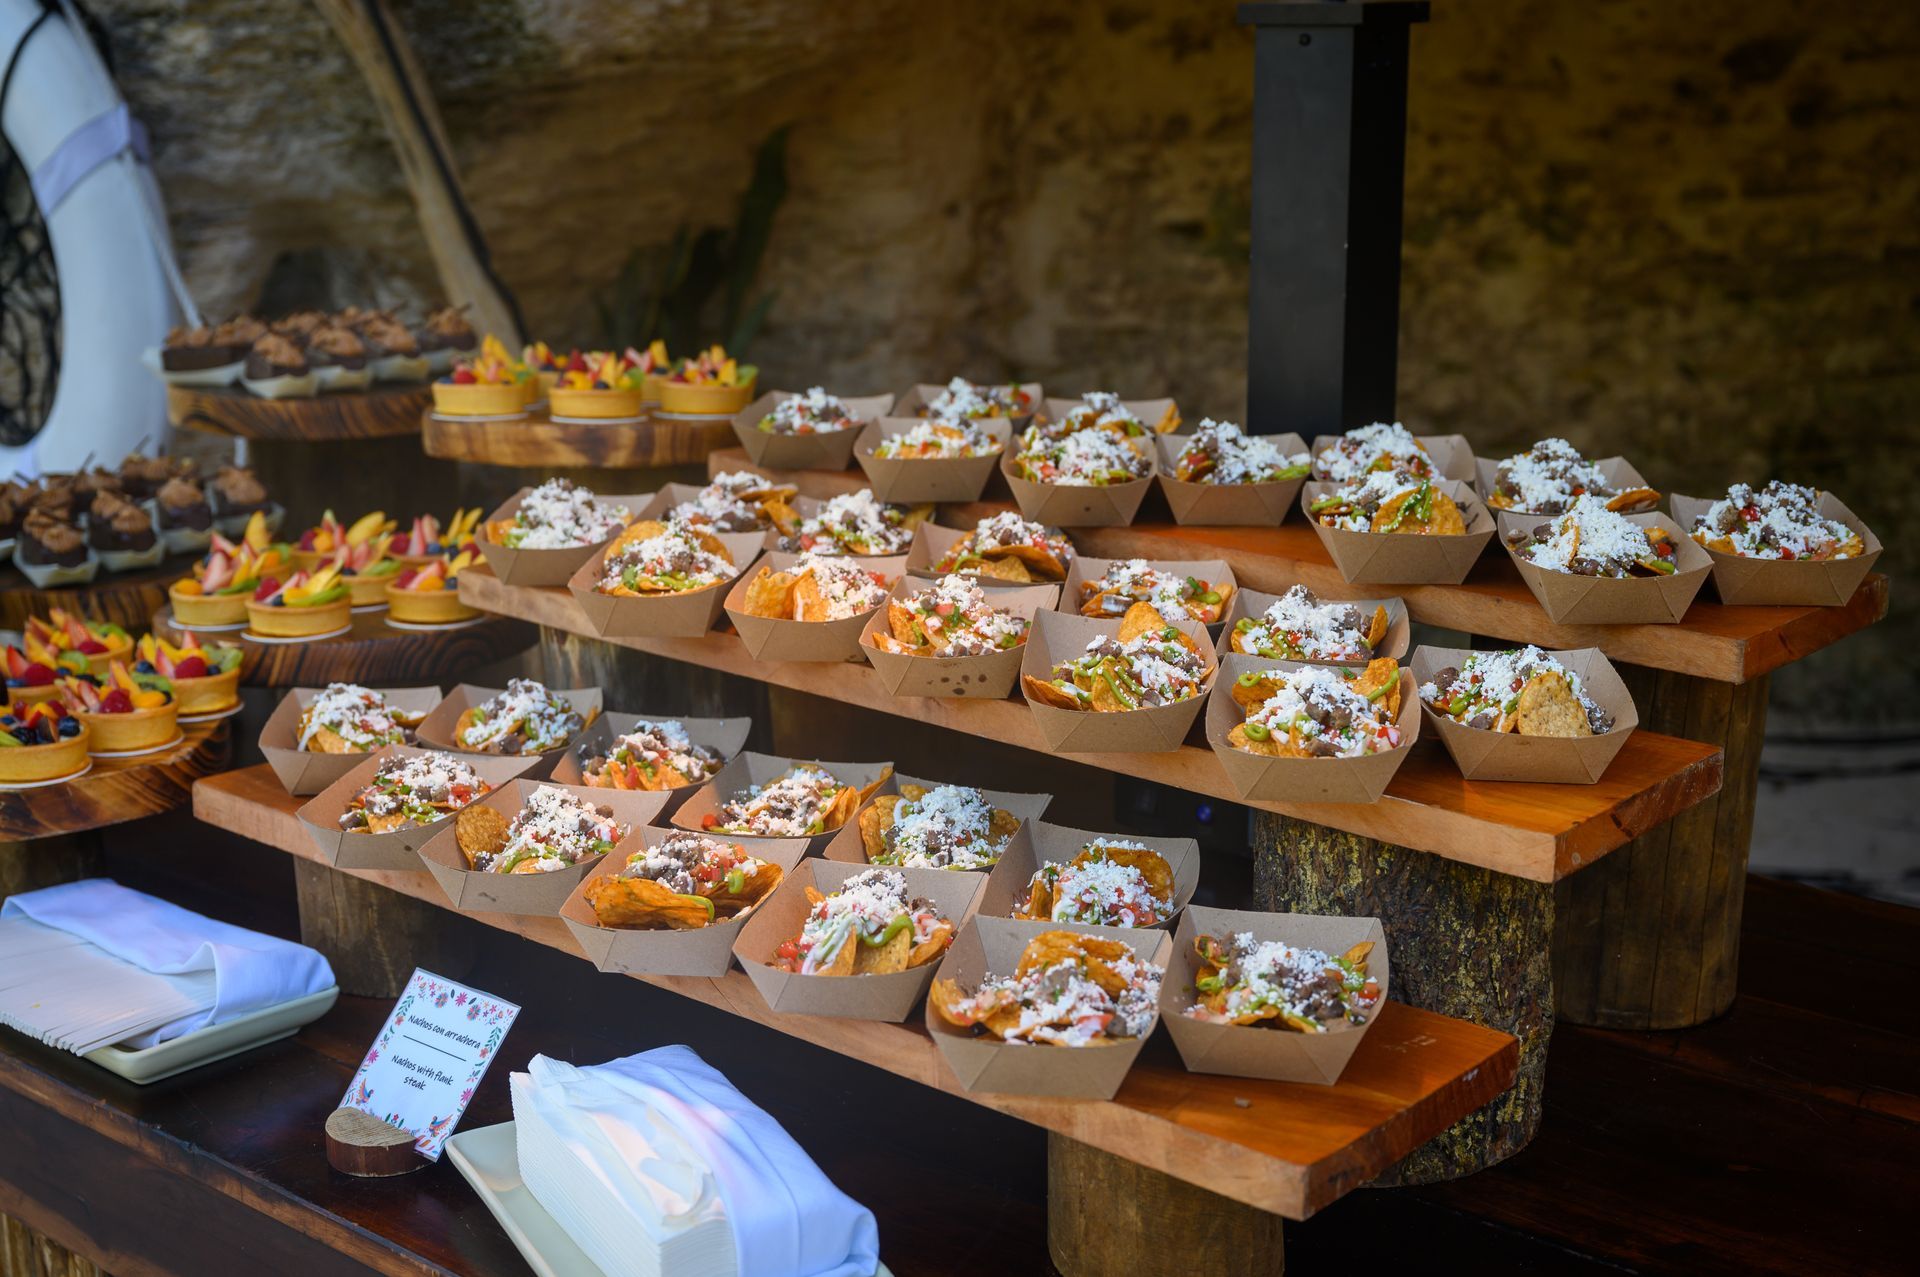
point(267, 589)
point(190, 667)
point(116, 702)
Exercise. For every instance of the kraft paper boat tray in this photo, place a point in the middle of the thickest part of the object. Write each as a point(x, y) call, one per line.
point(1039, 843)
point(913, 401)
point(829, 451)
point(534, 894)
point(910, 480)
point(890, 997)
point(1059, 636)
point(748, 769)
point(770, 638)
point(1210, 572)
point(1068, 505)
point(304, 771)
point(986, 677)
point(1228, 504)
point(1451, 455)
point(850, 847)
point(438, 730)
point(1278, 1055)
point(1404, 558)
point(1618, 472)
point(1252, 604)
point(1571, 599)
point(725, 736)
point(700, 951)
point(687, 615)
point(931, 542)
point(544, 567)
point(1304, 780)
point(1776, 582)
point(1150, 412)
point(1481, 754)
point(992, 946)
point(397, 848)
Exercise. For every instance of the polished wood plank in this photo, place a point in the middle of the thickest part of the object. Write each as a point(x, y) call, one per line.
point(536, 441)
point(373, 413)
point(117, 789)
point(1729, 644)
point(1288, 1149)
point(1540, 832)
point(370, 652)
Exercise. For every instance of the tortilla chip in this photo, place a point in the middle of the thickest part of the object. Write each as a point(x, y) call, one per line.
point(1633, 501)
point(1254, 687)
point(883, 959)
point(808, 603)
point(843, 961)
point(756, 887)
point(1444, 519)
point(1042, 692)
point(1152, 866)
point(930, 949)
point(1239, 739)
point(875, 819)
point(1377, 632)
point(382, 824)
point(1381, 672)
point(327, 741)
point(641, 904)
point(1548, 707)
point(1004, 569)
point(902, 622)
point(1039, 902)
point(480, 831)
point(1040, 561)
point(771, 594)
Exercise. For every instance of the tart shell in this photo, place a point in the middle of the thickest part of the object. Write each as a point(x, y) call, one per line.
point(427, 607)
point(207, 609)
point(30, 763)
point(719, 401)
point(136, 729)
point(299, 622)
point(479, 401)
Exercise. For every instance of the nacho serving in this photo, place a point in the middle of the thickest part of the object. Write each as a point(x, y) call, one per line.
point(1299, 626)
point(553, 829)
point(1150, 663)
point(807, 800)
point(962, 400)
point(1591, 540)
point(945, 827)
point(815, 588)
point(870, 926)
point(346, 718)
point(558, 515)
point(951, 617)
point(932, 440)
point(1379, 446)
point(1550, 476)
point(653, 558)
point(524, 718)
point(1221, 452)
point(1240, 980)
point(1521, 690)
point(1105, 410)
point(739, 501)
point(1318, 711)
point(1112, 882)
point(1090, 458)
point(1390, 501)
point(1780, 521)
point(1068, 989)
point(1009, 548)
point(650, 756)
point(412, 789)
point(855, 523)
point(814, 413)
point(1130, 581)
point(682, 883)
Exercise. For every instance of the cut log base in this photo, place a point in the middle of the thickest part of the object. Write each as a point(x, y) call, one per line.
point(358, 1143)
point(1649, 938)
point(1463, 941)
point(373, 937)
point(1108, 1217)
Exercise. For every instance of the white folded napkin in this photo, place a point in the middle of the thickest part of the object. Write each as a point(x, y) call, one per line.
point(674, 1147)
point(250, 971)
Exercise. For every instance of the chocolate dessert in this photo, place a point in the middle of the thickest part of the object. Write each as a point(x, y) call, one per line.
point(239, 491)
point(275, 355)
point(49, 542)
point(447, 329)
point(54, 497)
point(336, 346)
point(141, 476)
point(183, 504)
point(300, 325)
point(117, 524)
point(13, 509)
point(385, 335)
point(195, 350)
point(89, 484)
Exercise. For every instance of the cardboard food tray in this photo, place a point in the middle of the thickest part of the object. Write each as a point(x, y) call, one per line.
point(543, 567)
point(397, 848)
point(773, 639)
point(702, 951)
point(1569, 599)
point(1039, 843)
point(724, 736)
point(1149, 411)
point(1401, 558)
point(931, 542)
point(749, 768)
point(1776, 582)
point(992, 946)
point(1619, 474)
point(809, 508)
point(1304, 780)
point(1452, 455)
point(912, 401)
point(889, 997)
point(908, 480)
point(537, 895)
point(833, 451)
point(304, 772)
point(1210, 572)
point(987, 677)
point(688, 615)
point(849, 847)
point(1253, 603)
point(1066, 505)
point(1155, 729)
point(1244, 1050)
point(1227, 504)
point(1487, 755)
point(437, 730)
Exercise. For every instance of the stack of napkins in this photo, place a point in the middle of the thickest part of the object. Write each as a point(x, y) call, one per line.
point(655, 1164)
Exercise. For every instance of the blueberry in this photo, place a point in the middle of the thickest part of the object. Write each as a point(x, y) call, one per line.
point(7, 720)
point(143, 667)
point(69, 727)
point(16, 682)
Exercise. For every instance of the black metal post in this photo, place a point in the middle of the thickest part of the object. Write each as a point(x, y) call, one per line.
point(1329, 152)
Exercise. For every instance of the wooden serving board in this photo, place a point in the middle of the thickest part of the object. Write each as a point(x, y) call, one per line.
point(371, 652)
point(373, 413)
point(1282, 1147)
point(536, 441)
point(117, 789)
point(128, 599)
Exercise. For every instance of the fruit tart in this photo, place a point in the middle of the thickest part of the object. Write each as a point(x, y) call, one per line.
point(51, 551)
point(427, 540)
point(712, 383)
point(325, 539)
point(98, 643)
point(445, 336)
point(216, 594)
point(488, 386)
point(40, 741)
point(124, 712)
point(430, 595)
point(185, 515)
point(339, 358)
point(600, 384)
point(34, 670)
point(277, 368)
point(122, 533)
point(304, 605)
point(206, 680)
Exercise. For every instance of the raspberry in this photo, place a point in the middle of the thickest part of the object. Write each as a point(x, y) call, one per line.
point(190, 667)
point(268, 588)
point(116, 702)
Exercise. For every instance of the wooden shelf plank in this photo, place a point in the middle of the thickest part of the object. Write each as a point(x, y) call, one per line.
point(371, 652)
point(374, 413)
point(1539, 832)
point(1286, 1148)
point(1727, 644)
point(117, 789)
point(537, 441)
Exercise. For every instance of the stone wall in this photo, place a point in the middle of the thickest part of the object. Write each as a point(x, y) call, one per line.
point(1684, 232)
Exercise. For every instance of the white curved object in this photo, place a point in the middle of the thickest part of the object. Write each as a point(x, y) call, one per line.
point(114, 298)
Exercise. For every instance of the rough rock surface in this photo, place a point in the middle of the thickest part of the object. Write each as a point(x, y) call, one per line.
point(1683, 232)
